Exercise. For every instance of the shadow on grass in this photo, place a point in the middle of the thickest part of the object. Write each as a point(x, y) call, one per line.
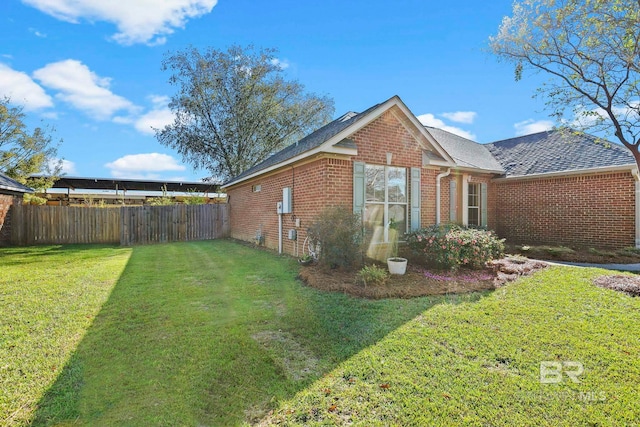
point(35, 254)
point(212, 333)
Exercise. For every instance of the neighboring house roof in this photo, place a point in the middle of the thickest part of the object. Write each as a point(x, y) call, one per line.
point(333, 138)
point(12, 186)
point(557, 151)
point(72, 182)
point(466, 153)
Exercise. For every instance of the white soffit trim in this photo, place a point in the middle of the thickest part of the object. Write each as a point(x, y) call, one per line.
point(603, 169)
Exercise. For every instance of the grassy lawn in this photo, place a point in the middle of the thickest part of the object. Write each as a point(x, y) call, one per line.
point(215, 333)
point(478, 363)
point(49, 297)
point(205, 333)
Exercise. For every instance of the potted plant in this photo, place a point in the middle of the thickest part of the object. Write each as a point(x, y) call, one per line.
point(396, 264)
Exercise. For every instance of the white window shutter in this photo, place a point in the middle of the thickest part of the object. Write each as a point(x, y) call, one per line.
point(415, 199)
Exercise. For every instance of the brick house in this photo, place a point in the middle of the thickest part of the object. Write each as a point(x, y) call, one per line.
point(11, 192)
point(549, 187)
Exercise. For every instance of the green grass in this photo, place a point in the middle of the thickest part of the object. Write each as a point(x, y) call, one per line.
point(478, 363)
point(215, 333)
point(205, 333)
point(49, 297)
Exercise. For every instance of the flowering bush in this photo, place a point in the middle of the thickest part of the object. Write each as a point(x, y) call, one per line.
point(451, 246)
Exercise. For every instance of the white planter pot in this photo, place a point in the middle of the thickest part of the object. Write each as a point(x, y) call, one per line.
point(397, 265)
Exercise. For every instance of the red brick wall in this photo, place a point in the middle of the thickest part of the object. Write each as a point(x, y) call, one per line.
point(389, 134)
point(595, 210)
point(325, 182)
point(5, 217)
point(445, 197)
point(251, 211)
point(329, 181)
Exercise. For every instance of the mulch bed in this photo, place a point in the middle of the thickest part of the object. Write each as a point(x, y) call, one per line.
point(629, 285)
point(419, 281)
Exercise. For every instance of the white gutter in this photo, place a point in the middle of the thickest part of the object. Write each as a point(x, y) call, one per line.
point(438, 178)
point(603, 169)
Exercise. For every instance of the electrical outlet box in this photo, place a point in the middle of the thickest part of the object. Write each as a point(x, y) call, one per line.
point(279, 208)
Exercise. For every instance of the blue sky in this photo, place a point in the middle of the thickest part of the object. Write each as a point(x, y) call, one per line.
point(92, 68)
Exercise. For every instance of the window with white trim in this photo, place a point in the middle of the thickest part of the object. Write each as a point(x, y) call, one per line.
point(473, 205)
point(385, 201)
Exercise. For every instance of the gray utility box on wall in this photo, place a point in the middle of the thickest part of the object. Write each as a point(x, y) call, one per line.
point(287, 203)
point(293, 234)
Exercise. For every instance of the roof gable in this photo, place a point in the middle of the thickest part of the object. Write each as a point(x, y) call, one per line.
point(466, 153)
point(331, 139)
point(557, 151)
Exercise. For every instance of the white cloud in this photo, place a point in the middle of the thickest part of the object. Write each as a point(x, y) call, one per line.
point(157, 118)
point(137, 21)
point(283, 64)
point(37, 33)
point(67, 166)
point(77, 85)
point(22, 89)
point(430, 120)
point(461, 116)
point(143, 166)
point(530, 126)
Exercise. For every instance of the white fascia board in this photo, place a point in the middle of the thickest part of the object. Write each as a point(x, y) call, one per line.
point(602, 169)
point(16, 189)
point(479, 170)
point(317, 150)
point(441, 163)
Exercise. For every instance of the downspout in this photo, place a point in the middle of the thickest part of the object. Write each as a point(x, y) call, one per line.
point(438, 178)
point(636, 177)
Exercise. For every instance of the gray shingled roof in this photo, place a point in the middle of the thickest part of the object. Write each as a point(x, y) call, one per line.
point(465, 153)
point(557, 151)
point(12, 185)
point(309, 142)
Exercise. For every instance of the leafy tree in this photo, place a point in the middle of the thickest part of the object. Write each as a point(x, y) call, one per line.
point(590, 48)
point(234, 108)
point(24, 152)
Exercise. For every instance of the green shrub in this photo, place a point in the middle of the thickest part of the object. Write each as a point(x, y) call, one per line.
point(556, 250)
point(451, 246)
point(629, 251)
point(339, 232)
point(373, 275)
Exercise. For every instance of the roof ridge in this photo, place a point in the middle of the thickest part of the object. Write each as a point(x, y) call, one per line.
point(524, 136)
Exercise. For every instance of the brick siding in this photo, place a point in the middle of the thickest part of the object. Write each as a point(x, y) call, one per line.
point(5, 217)
point(595, 210)
point(591, 210)
point(326, 181)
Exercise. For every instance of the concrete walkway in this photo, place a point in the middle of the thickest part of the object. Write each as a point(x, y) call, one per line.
point(617, 267)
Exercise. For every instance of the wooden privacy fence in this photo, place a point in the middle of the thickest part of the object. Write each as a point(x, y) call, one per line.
point(42, 225)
